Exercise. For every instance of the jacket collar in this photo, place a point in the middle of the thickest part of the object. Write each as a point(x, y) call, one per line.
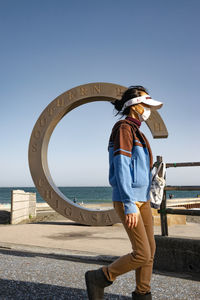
point(135, 121)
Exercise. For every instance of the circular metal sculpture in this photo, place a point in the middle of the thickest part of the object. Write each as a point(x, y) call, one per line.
point(39, 141)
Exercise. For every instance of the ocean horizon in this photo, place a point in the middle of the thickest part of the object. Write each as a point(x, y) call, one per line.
point(85, 194)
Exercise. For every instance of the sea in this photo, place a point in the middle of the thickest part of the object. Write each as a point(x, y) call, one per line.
point(93, 194)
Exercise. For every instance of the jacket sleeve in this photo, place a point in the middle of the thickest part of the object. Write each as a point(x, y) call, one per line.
point(123, 144)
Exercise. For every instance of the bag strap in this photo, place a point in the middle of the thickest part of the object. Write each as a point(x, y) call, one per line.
point(163, 170)
point(162, 164)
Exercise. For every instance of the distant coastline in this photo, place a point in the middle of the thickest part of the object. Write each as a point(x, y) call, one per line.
point(85, 194)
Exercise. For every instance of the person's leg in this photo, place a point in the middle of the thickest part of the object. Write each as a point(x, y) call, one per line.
point(143, 274)
point(141, 250)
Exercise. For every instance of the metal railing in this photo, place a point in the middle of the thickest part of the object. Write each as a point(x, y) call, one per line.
point(164, 210)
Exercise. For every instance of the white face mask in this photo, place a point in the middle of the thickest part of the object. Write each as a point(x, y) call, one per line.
point(145, 115)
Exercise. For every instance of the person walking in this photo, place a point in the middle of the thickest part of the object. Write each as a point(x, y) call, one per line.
point(130, 164)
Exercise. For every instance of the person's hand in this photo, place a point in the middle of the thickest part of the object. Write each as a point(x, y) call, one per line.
point(131, 220)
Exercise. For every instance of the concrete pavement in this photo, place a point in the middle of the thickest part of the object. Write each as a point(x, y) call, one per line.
point(36, 276)
point(67, 235)
point(48, 260)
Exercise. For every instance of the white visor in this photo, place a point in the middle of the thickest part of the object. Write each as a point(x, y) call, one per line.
point(146, 99)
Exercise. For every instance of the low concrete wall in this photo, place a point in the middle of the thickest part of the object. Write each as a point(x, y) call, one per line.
point(177, 255)
point(171, 219)
point(23, 206)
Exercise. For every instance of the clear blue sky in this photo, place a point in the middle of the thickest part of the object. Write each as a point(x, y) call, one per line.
point(48, 47)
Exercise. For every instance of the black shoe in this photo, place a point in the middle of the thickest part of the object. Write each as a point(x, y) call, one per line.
point(146, 296)
point(96, 281)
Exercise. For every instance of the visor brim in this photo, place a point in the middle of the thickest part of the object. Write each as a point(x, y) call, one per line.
point(152, 103)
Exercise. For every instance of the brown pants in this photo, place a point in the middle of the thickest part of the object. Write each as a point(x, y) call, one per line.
point(143, 245)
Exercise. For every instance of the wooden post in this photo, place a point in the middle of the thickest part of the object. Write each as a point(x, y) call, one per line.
point(163, 215)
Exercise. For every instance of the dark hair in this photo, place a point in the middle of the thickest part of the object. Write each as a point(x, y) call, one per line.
point(132, 92)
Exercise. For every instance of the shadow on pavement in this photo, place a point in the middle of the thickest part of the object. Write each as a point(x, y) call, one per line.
point(97, 260)
point(11, 289)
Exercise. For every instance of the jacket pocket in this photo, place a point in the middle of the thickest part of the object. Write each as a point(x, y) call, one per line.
point(134, 170)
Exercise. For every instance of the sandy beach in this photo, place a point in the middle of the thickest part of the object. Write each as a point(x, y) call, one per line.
point(46, 213)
